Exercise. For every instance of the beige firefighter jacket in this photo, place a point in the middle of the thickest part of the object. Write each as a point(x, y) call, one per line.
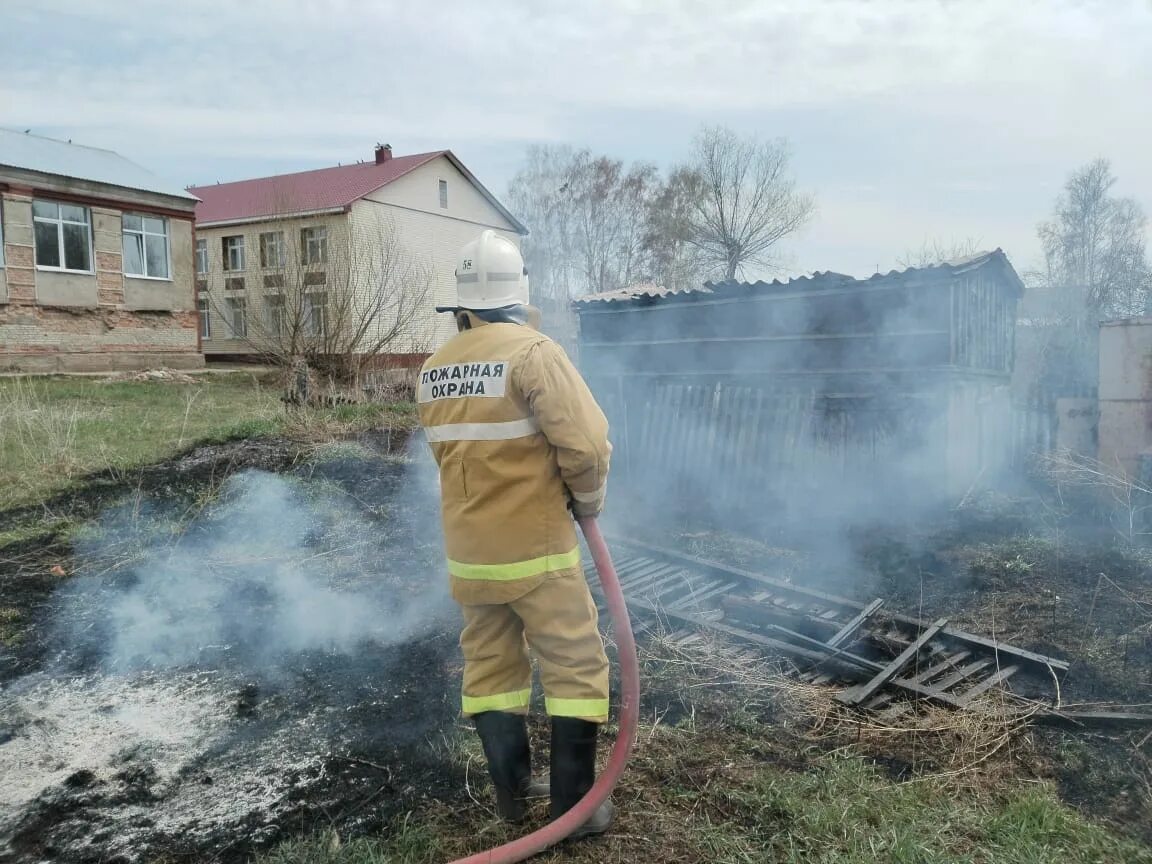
point(518, 438)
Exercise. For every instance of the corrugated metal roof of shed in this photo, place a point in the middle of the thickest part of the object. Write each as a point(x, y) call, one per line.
point(640, 289)
point(63, 159)
point(820, 281)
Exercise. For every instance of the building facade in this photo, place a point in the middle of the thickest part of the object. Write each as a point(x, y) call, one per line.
point(96, 269)
point(299, 261)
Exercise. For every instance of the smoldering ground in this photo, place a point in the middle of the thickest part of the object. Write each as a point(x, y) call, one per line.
point(273, 569)
point(222, 673)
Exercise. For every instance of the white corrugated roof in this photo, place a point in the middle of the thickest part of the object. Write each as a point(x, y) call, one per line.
point(637, 290)
point(49, 156)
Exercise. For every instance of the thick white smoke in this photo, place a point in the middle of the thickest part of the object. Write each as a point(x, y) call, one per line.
point(274, 567)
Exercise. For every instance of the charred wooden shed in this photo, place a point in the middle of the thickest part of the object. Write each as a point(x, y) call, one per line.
point(888, 389)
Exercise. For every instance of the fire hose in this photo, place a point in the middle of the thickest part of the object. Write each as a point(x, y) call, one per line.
point(554, 832)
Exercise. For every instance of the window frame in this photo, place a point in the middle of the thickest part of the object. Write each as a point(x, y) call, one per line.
point(276, 313)
point(204, 309)
point(59, 222)
point(144, 234)
point(314, 235)
point(201, 246)
point(235, 303)
point(311, 330)
point(279, 245)
point(443, 190)
point(225, 250)
point(2, 236)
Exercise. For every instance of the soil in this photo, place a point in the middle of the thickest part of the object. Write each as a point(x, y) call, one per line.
point(229, 754)
point(220, 758)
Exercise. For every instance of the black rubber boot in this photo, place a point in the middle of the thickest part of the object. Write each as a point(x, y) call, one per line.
point(504, 737)
point(573, 762)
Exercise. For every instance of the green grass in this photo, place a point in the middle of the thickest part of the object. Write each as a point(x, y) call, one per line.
point(409, 842)
point(54, 431)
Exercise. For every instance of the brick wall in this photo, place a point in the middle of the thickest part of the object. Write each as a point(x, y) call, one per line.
point(70, 337)
point(39, 339)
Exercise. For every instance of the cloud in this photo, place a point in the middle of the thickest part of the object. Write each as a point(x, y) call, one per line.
point(974, 93)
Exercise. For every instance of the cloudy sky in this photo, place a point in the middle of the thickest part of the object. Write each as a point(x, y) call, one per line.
point(911, 120)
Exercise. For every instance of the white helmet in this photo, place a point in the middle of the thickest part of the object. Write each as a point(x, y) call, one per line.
point(490, 274)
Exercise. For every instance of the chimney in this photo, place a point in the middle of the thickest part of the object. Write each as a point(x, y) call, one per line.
point(383, 153)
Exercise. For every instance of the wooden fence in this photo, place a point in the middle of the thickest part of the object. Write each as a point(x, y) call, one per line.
point(732, 447)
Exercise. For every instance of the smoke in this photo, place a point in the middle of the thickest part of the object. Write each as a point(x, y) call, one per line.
point(803, 412)
point(273, 568)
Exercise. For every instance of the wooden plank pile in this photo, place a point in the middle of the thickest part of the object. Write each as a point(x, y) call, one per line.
point(882, 659)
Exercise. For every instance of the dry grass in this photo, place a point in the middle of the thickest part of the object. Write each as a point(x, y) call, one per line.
point(980, 745)
point(323, 426)
point(1127, 501)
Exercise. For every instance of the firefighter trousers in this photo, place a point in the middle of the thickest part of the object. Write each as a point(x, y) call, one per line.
point(557, 622)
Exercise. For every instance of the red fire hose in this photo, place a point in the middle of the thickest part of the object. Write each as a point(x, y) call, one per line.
point(554, 832)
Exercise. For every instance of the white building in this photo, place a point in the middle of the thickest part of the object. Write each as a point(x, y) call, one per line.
point(250, 233)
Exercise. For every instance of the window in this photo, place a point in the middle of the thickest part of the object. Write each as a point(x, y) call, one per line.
point(205, 318)
point(316, 314)
point(201, 256)
point(276, 315)
point(145, 246)
point(233, 249)
point(444, 193)
point(63, 236)
point(238, 316)
point(1, 237)
point(272, 249)
point(314, 245)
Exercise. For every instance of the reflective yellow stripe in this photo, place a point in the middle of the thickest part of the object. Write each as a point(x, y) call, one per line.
point(517, 569)
point(481, 431)
point(497, 702)
point(576, 707)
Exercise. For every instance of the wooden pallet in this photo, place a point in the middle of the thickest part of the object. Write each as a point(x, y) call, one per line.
point(878, 656)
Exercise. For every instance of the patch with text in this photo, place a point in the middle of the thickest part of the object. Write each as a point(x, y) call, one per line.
point(463, 379)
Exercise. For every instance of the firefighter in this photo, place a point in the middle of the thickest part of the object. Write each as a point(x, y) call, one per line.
point(521, 446)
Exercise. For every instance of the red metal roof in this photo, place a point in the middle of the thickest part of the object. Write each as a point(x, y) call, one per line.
point(303, 192)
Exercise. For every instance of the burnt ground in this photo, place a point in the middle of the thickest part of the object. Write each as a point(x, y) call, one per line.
point(223, 753)
point(218, 758)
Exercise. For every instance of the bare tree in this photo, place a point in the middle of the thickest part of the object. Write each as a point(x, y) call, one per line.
point(675, 262)
point(537, 195)
point(1095, 267)
point(1095, 262)
point(743, 201)
point(588, 218)
point(331, 296)
point(936, 251)
point(609, 205)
